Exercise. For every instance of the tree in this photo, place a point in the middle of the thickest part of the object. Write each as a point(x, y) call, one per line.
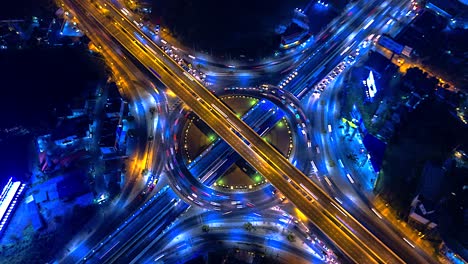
point(249, 227)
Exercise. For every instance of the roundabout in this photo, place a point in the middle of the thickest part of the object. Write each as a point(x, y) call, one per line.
point(206, 172)
point(197, 137)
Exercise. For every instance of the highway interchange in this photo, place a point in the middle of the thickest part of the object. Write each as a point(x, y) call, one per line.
point(363, 241)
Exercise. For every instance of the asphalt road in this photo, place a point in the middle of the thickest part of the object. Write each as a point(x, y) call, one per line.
point(360, 245)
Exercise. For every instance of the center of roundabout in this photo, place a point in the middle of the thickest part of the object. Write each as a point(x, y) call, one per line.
point(206, 172)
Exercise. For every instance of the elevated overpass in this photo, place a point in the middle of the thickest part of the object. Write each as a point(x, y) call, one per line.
point(350, 236)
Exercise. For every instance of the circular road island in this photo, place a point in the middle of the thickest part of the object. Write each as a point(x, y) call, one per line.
point(240, 176)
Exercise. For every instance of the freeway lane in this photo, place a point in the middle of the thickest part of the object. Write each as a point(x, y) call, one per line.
point(119, 243)
point(263, 157)
point(390, 235)
point(188, 228)
point(132, 89)
point(362, 33)
point(308, 75)
point(319, 58)
point(215, 118)
point(324, 115)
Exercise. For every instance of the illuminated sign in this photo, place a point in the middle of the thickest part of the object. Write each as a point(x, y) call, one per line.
point(371, 87)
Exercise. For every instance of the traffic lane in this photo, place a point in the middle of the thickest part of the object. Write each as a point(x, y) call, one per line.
point(202, 243)
point(333, 207)
point(377, 226)
point(355, 29)
point(256, 163)
point(187, 227)
point(115, 243)
point(397, 239)
point(181, 229)
point(390, 235)
point(323, 222)
point(262, 121)
point(327, 225)
point(318, 57)
point(328, 35)
point(332, 229)
point(221, 200)
point(133, 94)
point(358, 234)
point(153, 232)
point(237, 122)
point(142, 94)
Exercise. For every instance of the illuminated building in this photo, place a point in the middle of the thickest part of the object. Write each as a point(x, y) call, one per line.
point(8, 199)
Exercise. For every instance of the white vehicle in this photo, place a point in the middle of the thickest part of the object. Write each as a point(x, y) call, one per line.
point(338, 200)
point(341, 163)
point(350, 178)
